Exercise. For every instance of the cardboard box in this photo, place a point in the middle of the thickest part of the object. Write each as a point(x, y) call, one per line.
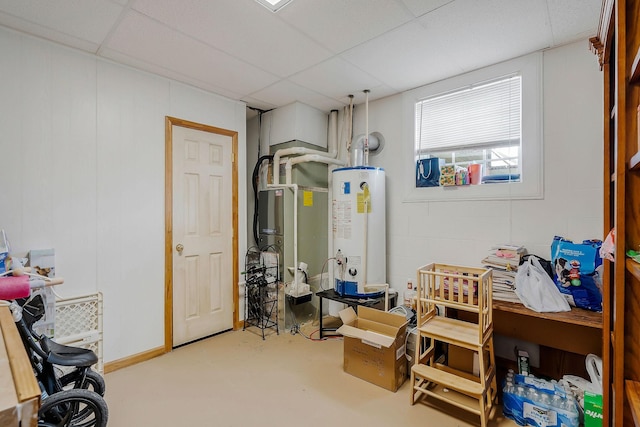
point(374, 346)
point(411, 348)
point(592, 409)
point(463, 359)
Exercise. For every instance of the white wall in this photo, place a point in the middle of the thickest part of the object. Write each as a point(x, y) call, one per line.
point(462, 232)
point(83, 172)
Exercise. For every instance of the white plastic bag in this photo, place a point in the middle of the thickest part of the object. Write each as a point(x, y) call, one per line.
point(536, 289)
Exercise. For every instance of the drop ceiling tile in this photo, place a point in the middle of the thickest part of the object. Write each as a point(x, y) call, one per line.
point(568, 19)
point(239, 49)
point(158, 70)
point(152, 43)
point(420, 7)
point(488, 32)
point(285, 92)
point(340, 25)
point(241, 28)
point(405, 58)
point(168, 12)
point(38, 30)
point(335, 78)
point(89, 20)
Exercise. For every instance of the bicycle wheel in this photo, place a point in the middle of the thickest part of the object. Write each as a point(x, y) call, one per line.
point(74, 408)
point(93, 381)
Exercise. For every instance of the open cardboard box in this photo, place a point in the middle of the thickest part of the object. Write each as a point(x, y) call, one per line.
point(463, 359)
point(374, 346)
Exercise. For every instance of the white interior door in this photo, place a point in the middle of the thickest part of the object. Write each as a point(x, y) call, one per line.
point(202, 234)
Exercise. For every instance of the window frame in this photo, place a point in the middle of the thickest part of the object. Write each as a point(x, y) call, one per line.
point(531, 184)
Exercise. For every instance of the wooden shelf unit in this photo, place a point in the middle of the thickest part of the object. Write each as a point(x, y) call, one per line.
point(576, 316)
point(618, 49)
point(634, 163)
point(635, 69)
point(633, 268)
point(632, 389)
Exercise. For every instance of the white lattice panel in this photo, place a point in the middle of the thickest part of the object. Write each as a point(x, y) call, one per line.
point(78, 323)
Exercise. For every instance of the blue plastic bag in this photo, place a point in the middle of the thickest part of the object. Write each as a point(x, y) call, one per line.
point(428, 172)
point(576, 271)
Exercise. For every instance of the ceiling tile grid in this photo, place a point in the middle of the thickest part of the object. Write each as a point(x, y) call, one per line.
point(420, 7)
point(147, 40)
point(340, 25)
point(487, 32)
point(89, 20)
point(405, 58)
point(313, 51)
point(241, 28)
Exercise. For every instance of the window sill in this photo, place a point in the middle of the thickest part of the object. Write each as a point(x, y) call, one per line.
point(493, 191)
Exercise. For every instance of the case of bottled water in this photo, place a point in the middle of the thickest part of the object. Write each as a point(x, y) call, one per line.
point(531, 401)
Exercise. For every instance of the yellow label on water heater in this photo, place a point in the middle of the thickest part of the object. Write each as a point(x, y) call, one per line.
point(307, 198)
point(364, 197)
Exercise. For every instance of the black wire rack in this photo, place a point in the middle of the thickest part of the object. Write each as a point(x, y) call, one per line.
point(261, 292)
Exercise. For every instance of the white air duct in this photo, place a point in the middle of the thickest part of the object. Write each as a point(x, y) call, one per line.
point(332, 153)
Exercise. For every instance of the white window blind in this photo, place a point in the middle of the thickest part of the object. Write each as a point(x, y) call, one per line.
point(475, 116)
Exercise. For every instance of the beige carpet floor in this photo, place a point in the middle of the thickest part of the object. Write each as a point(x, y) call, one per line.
point(237, 379)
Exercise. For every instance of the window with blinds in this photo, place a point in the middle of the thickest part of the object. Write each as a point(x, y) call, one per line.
point(488, 121)
point(480, 123)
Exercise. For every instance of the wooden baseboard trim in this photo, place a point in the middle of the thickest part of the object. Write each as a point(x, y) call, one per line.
point(146, 355)
point(132, 360)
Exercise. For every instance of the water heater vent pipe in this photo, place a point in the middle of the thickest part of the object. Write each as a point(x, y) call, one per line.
point(347, 128)
point(366, 128)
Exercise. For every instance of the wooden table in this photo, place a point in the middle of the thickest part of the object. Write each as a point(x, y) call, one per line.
point(19, 391)
point(576, 331)
point(564, 338)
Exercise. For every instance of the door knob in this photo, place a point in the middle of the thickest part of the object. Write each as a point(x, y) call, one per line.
point(179, 248)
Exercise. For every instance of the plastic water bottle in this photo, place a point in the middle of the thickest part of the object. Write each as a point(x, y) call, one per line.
point(532, 394)
point(508, 398)
point(544, 400)
point(510, 377)
point(516, 405)
point(572, 409)
point(557, 401)
point(509, 387)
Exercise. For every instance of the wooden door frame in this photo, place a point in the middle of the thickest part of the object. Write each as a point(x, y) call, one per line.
point(168, 209)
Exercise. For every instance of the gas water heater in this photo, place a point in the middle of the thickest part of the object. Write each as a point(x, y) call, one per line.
point(359, 242)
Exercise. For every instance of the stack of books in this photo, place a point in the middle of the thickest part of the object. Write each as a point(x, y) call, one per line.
point(504, 261)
